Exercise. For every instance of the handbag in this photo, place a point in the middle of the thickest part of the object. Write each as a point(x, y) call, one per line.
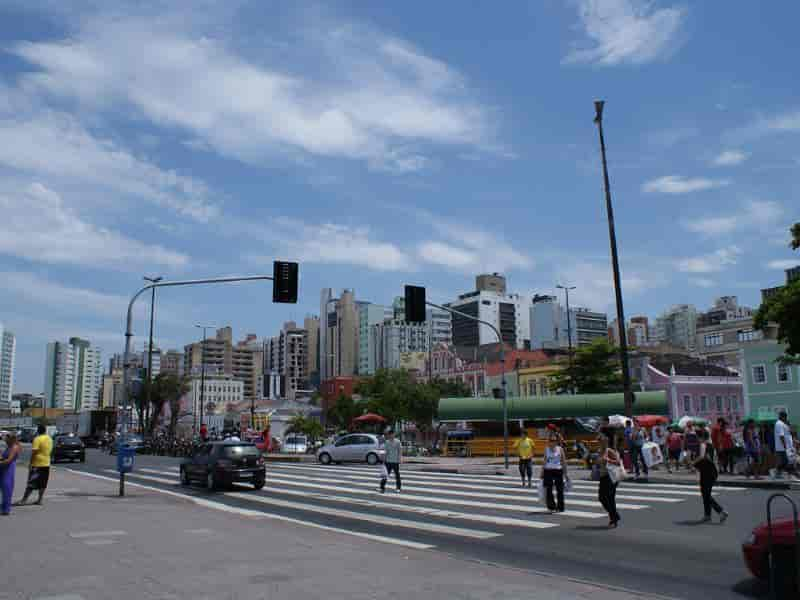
point(616, 473)
point(540, 490)
point(384, 472)
point(567, 485)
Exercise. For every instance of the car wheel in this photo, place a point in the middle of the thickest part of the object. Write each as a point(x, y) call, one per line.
point(325, 458)
point(259, 484)
point(184, 477)
point(372, 459)
point(211, 485)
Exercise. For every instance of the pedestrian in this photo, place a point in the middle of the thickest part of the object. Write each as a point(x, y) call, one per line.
point(726, 448)
point(674, 448)
point(203, 433)
point(610, 469)
point(39, 472)
point(752, 449)
point(691, 444)
point(392, 459)
point(8, 468)
point(554, 473)
point(525, 449)
point(708, 477)
point(638, 439)
point(785, 452)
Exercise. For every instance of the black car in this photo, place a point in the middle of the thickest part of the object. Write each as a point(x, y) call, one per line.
point(68, 447)
point(221, 464)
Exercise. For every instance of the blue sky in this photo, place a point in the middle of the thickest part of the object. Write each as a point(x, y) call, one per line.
point(381, 144)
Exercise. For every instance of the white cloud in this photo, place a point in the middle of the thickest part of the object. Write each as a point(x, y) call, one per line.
point(786, 122)
point(730, 158)
point(47, 143)
point(38, 226)
point(329, 243)
point(626, 31)
point(755, 214)
point(678, 184)
point(467, 248)
point(711, 263)
point(366, 96)
point(784, 264)
point(594, 284)
point(702, 282)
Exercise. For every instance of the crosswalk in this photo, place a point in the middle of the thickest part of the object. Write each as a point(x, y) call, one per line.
point(430, 506)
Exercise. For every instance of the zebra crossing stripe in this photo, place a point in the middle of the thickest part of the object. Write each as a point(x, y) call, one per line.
point(357, 516)
point(514, 490)
point(259, 514)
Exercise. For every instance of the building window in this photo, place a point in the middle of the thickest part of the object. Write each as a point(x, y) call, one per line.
point(719, 404)
point(759, 374)
point(746, 335)
point(704, 403)
point(713, 339)
point(687, 404)
point(784, 373)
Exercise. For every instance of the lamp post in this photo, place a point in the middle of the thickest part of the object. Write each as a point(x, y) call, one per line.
point(566, 289)
point(612, 236)
point(203, 371)
point(146, 411)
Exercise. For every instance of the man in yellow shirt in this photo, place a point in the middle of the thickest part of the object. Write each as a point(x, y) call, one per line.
point(525, 449)
point(39, 473)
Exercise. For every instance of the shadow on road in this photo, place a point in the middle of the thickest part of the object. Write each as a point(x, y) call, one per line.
point(695, 522)
point(752, 588)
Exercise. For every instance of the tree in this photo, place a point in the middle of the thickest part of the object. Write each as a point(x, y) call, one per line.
point(304, 425)
point(343, 412)
point(166, 388)
point(783, 308)
point(451, 389)
point(595, 369)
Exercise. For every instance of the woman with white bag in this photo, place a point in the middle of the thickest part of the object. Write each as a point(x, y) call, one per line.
point(554, 473)
point(611, 473)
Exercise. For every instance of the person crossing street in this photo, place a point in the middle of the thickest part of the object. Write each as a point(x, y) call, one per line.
point(554, 473)
point(39, 473)
point(525, 448)
point(392, 460)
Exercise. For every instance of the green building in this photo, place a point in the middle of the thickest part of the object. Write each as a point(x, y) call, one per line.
point(769, 386)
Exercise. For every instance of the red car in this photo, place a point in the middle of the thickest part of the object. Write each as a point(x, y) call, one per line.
point(756, 554)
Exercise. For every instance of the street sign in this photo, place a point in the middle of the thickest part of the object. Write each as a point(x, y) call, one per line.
point(284, 282)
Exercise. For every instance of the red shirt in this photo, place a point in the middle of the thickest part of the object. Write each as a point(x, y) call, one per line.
point(726, 440)
point(675, 441)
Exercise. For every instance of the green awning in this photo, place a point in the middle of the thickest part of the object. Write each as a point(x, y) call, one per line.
point(550, 407)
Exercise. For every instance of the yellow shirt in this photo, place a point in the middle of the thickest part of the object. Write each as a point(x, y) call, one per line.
point(525, 448)
point(42, 448)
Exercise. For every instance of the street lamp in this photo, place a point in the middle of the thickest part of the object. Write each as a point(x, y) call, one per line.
point(203, 370)
point(567, 289)
point(623, 342)
point(146, 410)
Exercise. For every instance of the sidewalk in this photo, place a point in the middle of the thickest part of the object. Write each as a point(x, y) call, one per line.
point(85, 543)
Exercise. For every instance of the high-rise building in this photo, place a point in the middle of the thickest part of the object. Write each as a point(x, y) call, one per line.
point(791, 275)
point(338, 334)
point(8, 351)
point(369, 315)
point(440, 326)
point(508, 312)
point(550, 328)
point(73, 375)
point(217, 393)
point(286, 360)
point(677, 327)
point(156, 365)
point(113, 395)
point(393, 338)
point(172, 363)
point(311, 325)
point(242, 361)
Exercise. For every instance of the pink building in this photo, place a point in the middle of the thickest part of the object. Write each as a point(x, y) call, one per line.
point(693, 387)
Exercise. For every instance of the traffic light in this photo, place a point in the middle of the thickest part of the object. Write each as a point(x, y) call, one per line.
point(415, 304)
point(284, 282)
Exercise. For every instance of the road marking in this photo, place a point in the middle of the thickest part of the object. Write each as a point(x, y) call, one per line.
point(199, 531)
point(516, 508)
point(262, 515)
point(512, 490)
point(80, 535)
point(487, 496)
point(99, 542)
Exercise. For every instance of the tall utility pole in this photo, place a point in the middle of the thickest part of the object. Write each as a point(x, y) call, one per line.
point(566, 289)
point(146, 411)
point(612, 236)
point(203, 371)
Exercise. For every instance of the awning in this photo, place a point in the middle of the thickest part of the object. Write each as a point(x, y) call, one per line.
point(550, 407)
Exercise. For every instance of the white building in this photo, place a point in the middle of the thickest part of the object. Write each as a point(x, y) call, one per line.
point(156, 361)
point(8, 351)
point(393, 338)
point(550, 329)
point(677, 327)
point(286, 357)
point(220, 391)
point(369, 315)
point(73, 377)
point(490, 302)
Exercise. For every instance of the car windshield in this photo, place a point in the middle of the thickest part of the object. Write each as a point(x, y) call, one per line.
point(239, 451)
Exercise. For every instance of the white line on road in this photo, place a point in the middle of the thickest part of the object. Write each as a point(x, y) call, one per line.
point(79, 535)
point(262, 515)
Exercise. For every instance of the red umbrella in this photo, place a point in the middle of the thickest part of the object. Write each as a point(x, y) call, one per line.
point(651, 420)
point(369, 418)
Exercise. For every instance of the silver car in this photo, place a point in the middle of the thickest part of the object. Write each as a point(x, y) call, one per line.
point(353, 447)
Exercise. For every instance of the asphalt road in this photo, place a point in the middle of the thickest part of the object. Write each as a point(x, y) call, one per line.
point(661, 547)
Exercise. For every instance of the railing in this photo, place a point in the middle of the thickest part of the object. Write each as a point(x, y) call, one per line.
point(494, 447)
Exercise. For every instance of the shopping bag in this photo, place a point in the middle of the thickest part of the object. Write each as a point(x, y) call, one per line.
point(540, 490)
point(684, 457)
point(617, 473)
point(384, 472)
point(652, 455)
point(567, 485)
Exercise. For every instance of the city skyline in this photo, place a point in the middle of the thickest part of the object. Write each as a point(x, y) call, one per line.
point(409, 157)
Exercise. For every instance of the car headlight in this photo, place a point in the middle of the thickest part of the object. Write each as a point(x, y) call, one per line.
point(750, 539)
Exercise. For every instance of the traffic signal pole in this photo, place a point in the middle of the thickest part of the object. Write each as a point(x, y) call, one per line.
point(502, 368)
point(125, 417)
